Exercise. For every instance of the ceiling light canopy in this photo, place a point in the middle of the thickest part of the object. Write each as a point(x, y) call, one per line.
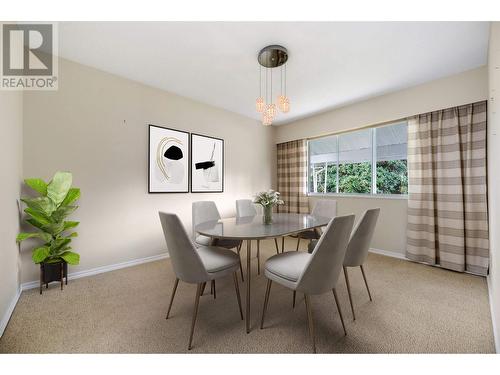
point(269, 58)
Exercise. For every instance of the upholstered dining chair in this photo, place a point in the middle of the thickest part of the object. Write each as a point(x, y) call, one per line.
point(314, 273)
point(325, 208)
point(204, 211)
point(196, 265)
point(358, 247)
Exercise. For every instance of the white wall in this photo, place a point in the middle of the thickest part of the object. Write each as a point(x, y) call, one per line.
point(96, 126)
point(494, 176)
point(10, 172)
point(467, 87)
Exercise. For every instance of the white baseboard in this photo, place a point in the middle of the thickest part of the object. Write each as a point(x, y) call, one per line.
point(98, 270)
point(387, 253)
point(496, 336)
point(10, 310)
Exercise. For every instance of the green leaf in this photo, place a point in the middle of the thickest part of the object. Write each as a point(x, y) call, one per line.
point(37, 215)
point(73, 195)
point(58, 188)
point(72, 234)
point(62, 212)
point(40, 254)
point(70, 224)
point(35, 223)
point(37, 184)
point(42, 205)
point(59, 243)
point(54, 228)
point(71, 257)
point(43, 236)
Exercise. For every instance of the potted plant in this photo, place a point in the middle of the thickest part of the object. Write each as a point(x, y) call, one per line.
point(268, 199)
point(47, 213)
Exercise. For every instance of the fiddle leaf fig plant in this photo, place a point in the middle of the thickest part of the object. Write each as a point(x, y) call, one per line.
point(47, 213)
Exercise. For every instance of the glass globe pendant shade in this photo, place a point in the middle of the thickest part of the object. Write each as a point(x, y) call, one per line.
point(260, 105)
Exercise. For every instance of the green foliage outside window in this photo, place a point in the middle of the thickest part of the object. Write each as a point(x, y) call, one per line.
point(392, 177)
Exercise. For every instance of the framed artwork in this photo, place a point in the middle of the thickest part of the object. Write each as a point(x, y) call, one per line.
point(207, 164)
point(168, 160)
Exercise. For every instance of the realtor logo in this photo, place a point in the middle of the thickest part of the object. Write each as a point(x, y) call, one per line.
point(29, 56)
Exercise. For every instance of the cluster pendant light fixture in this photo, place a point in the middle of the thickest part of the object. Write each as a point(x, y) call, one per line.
point(269, 58)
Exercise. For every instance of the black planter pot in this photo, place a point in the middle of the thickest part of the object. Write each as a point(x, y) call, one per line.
point(50, 272)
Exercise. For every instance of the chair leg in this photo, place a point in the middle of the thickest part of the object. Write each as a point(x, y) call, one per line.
point(282, 244)
point(294, 295)
point(366, 282)
point(338, 308)
point(258, 257)
point(349, 292)
point(195, 314)
point(203, 288)
point(241, 272)
point(237, 288)
point(276, 243)
point(266, 301)
point(311, 323)
point(298, 243)
point(172, 296)
point(213, 287)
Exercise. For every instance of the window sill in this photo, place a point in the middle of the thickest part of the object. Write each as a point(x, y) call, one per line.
point(367, 196)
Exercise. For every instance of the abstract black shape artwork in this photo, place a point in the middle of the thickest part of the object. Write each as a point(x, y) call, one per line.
point(207, 158)
point(168, 160)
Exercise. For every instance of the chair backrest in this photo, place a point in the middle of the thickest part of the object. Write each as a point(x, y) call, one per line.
point(322, 272)
point(325, 208)
point(186, 262)
point(245, 208)
point(361, 237)
point(204, 211)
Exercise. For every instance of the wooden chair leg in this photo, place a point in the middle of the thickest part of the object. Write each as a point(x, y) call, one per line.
point(294, 295)
point(366, 282)
point(203, 289)
point(311, 323)
point(282, 244)
point(195, 314)
point(237, 288)
point(258, 257)
point(338, 308)
point(266, 301)
point(349, 292)
point(276, 243)
point(172, 296)
point(298, 243)
point(213, 287)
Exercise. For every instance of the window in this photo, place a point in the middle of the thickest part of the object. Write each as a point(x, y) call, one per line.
point(368, 161)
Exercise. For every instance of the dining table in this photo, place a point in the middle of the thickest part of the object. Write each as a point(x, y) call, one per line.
point(252, 228)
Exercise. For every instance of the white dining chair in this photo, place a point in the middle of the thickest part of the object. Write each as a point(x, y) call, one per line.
point(315, 273)
point(196, 265)
point(204, 211)
point(358, 247)
point(324, 208)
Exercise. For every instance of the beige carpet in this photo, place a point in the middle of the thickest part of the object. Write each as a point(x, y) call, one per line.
point(416, 309)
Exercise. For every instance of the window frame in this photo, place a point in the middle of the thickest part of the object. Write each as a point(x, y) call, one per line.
point(373, 192)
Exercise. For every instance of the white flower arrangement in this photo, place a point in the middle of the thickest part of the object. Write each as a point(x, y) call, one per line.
point(268, 198)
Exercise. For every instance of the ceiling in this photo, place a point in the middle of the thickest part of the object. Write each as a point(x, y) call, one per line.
point(330, 63)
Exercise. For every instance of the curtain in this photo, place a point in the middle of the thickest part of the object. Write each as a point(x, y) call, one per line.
point(447, 205)
point(292, 176)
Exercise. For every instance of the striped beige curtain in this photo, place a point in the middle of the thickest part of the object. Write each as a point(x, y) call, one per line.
point(292, 176)
point(447, 206)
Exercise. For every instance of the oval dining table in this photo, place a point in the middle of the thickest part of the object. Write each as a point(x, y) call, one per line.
point(252, 228)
